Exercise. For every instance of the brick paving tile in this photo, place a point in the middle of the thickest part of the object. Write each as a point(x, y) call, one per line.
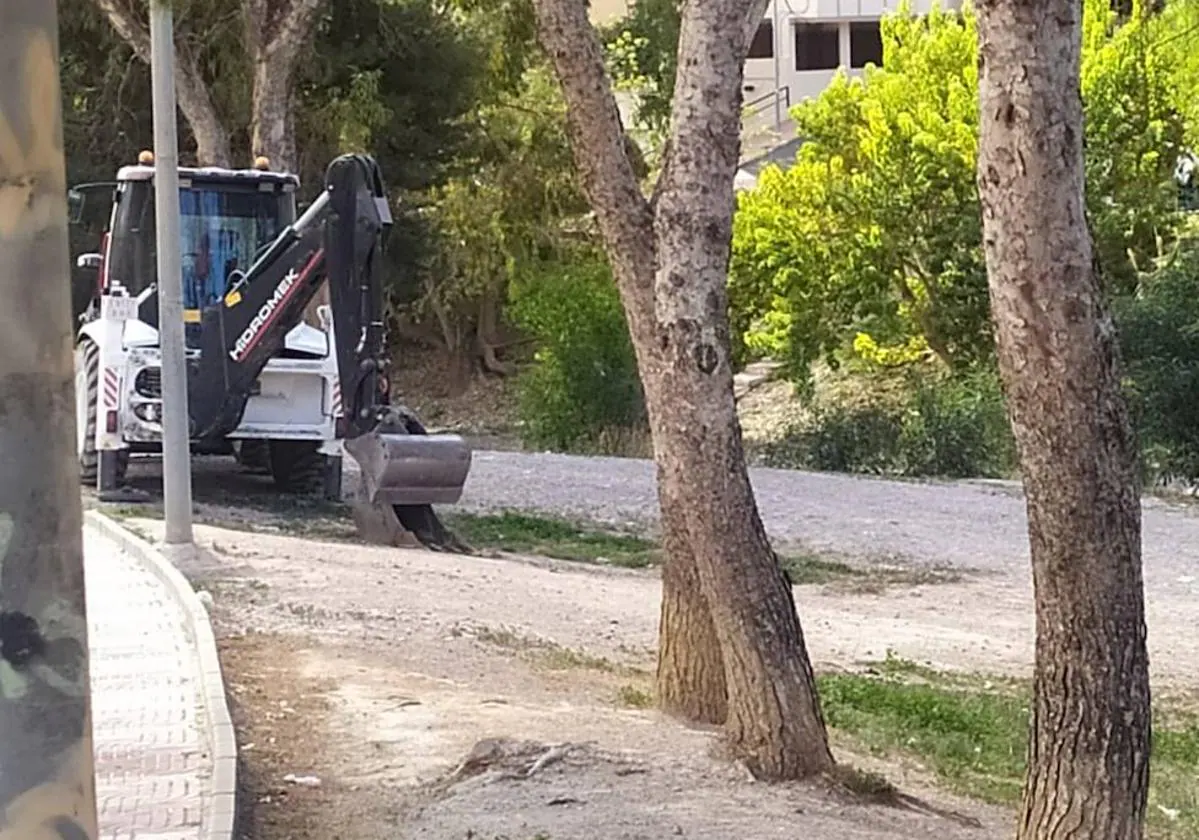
point(153, 765)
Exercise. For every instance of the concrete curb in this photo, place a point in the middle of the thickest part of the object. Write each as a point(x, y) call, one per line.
point(220, 811)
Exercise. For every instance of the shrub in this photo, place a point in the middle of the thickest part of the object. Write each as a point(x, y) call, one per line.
point(1159, 337)
point(951, 426)
point(958, 427)
point(583, 392)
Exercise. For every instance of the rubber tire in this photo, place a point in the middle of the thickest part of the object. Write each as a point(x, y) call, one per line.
point(89, 458)
point(253, 455)
point(297, 466)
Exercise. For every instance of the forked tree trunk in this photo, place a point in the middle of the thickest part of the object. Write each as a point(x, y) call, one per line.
point(195, 102)
point(671, 263)
point(277, 31)
point(1090, 731)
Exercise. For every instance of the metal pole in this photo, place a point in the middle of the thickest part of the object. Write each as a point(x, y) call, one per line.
point(778, 42)
point(47, 785)
point(176, 434)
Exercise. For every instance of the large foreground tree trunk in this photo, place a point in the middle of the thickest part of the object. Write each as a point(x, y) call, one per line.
point(127, 18)
point(1090, 732)
point(671, 263)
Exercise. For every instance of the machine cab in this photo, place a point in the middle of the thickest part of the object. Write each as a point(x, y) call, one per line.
point(227, 217)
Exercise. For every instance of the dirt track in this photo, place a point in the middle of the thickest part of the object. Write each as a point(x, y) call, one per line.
point(971, 526)
point(968, 525)
point(975, 527)
point(377, 670)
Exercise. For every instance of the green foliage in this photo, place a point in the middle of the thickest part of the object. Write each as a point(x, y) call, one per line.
point(106, 97)
point(1159, 331)
point(876, 229)
point(1173, 32)
point(642, 53)
point(507, 32)
point(584, 394)
point(398, 79)
point(509, 206)
point(1134, 134)
point(912, 423)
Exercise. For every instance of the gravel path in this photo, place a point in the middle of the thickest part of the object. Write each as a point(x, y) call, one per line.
point(969, 525)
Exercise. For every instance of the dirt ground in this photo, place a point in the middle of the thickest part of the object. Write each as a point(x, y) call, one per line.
point(384, 693)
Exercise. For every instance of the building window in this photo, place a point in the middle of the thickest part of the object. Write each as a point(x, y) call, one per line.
point(763, 43)
point(817, 46)
point(865, 44)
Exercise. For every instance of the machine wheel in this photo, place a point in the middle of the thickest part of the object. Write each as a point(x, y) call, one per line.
point(297, 466)
point(331, 489)
point(87, 401)
point(253, 456)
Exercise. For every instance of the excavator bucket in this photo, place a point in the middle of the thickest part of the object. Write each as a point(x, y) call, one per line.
point(402, 469)
point(400, 477)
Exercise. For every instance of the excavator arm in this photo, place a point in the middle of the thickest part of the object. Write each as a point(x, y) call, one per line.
point(339, 238)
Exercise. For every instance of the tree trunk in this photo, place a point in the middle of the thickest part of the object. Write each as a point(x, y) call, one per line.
point(272, 127)
point(277, 31)
point(1090, 729)
point(679, 325)
point(690, 679)
point(191, 91)
point(487, 328)
point(212, 139)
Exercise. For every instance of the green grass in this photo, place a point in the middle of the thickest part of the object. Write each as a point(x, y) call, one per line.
point(812, 569)
point(516, 533)
point(634, 697)
point(524, 534)
point(972, 733)
point(521, 533)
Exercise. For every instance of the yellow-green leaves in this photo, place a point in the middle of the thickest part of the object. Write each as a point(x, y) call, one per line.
point(871, 244)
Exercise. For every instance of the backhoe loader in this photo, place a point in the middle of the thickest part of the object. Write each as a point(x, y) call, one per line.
point(257, 374)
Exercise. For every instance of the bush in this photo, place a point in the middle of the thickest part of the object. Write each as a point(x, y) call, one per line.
point(583, 393)
point(958, 427)
point(1159, 336)
point(951, 426)
point(875, 229)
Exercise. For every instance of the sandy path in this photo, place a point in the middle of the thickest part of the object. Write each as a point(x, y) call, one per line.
point(393, 654)
point(983, 623)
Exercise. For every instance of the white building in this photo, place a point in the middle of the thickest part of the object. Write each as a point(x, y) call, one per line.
point(605, 11)
point(797, 50)
point(802, 43)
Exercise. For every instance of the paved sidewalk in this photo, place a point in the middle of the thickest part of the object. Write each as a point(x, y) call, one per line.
point(153, 762)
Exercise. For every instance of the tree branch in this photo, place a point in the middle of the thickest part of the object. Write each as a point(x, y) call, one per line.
point(127, 25)
point(598, 138)
point(694, 198)
point(757, 12)
point(284, 24)
point(212, 141)
point(754, 15)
